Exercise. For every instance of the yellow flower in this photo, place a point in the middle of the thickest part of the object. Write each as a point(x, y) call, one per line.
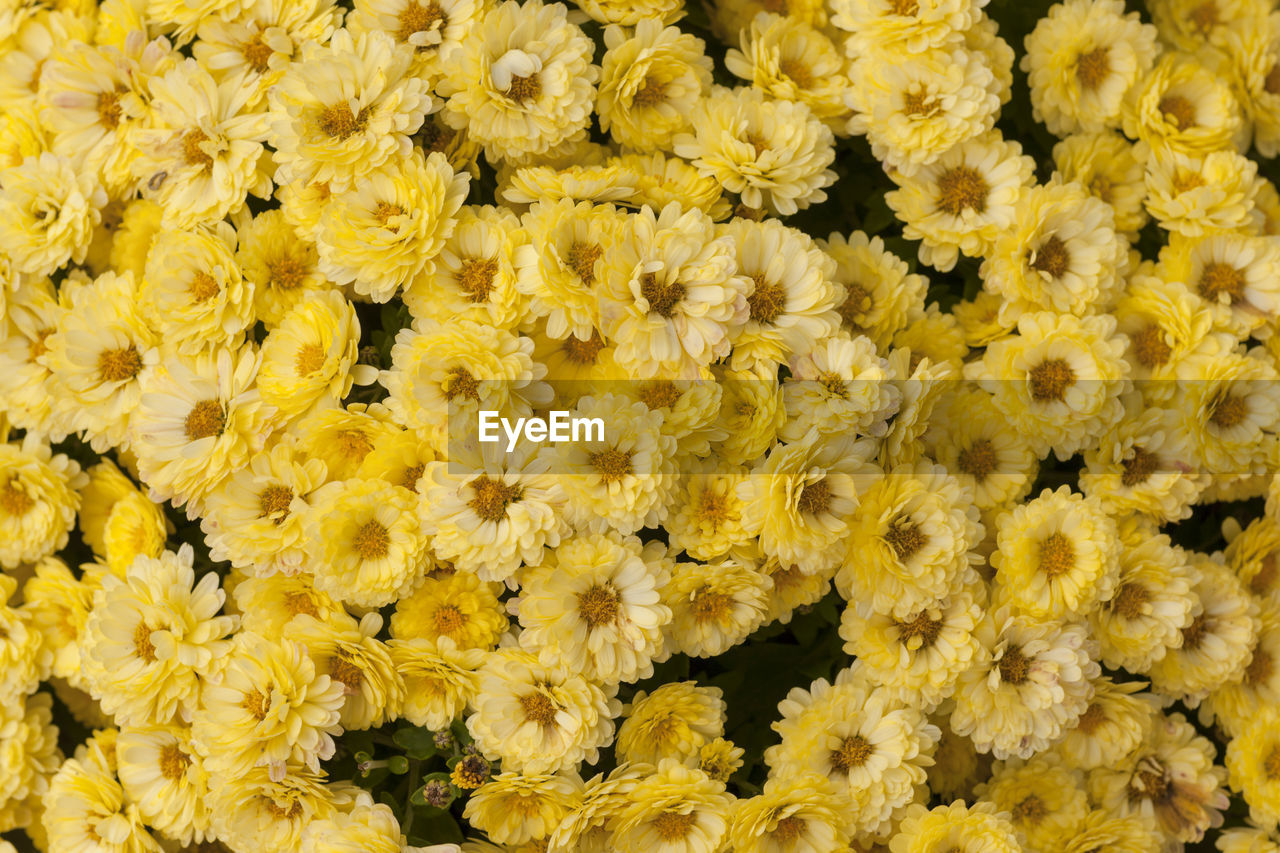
point(455, 605)
point(198, 159)
point(1236, 276)
point(1224, 404)
point(85, 808)
point(706, 518)
point(665, 178)
point(981, 449)
point(136, 527)
point(714, 606)
point(963, 200)
point(803, 815)
point(152, 637)
point(774, 154)
point(308, 360)
point(1253, 555)
point(283, 268)
point(363, 828)
point(1112, 727)
point(132, 236)
point(352, 656)
point(1081, 60)
point(389, 225)
point(1189, 24)
point(955, 826)
point(878, 295)
point(1180, 105)
point(674, 721)
point(38, 500)
point(515, 809)
point(1166, 323)
point(430, 28)
point(537, 718)
point(192, 294)
point(788, 59)
point(254, 812)
point(161, 772)
point(1233, 705)
point(1046, 800)
point(343, 438)
point(317, 133)
point(365, 541)
point(47, 213)
point(523, 84)
point(440, 679)
point(1198, 195)
point(883, 27)
point(1105, 165)
point(1061, 255)
point(632, 14)
point(650, 81)
point(1151, 607)
point(58, 603)
point(676, 808)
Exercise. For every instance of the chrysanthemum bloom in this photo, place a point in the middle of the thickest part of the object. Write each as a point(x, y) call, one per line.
point(877, 295)
point(1035, 683)
point(1144, 464)
point(774, 154)
point(883, 27)
point(1247, 57)
point(56, 604)
point(32, 315)
point(714, 606)
point(1248, 839)
point(608, 181)
point(1056, 556)
point(1061, 255)
point(1235, 275)
point(430, 28)
point(199, 421)
point(48, 212)
point(255, 811)
point(474, 276)
point(85, 807)
point(1169, 780)
point(193, 295)
point(650, 81)
point(389, 225)
point(676, 807)
point(1189, 24)
point(1045, 799)
point(270, 603)
point(1113, 725)
point(1217, 642)
point(910, 540)
point(1151, 606)
point(788, 59)
point(344, 108)
point(981, 449)
point(515, 809)
point(98, 356)
point(38, 500)
point(665, 178)
point(1195, 196)
point(1058, 380)
point(593, 605)
point(803, 815)
point(153, 636)
point(283, 268)
point(1182, 106)
point(790, 297)
point(690, 413)
point(440, 679)
point(564, 262)
point(706, 517)
point(344, 437)
point(352, 656)
point(674, 721)
point(272, 706)
point(523, 84)
point(872, 747)
point(962, 201)
point(672, 294)
point(451, 371)
point(161, 772)
point(586, 828)
point(131, 239)
point(364, 541)
point(539, 719)
point(920, 656)
point(362, 827)
point(912, 112)
point(1105, 165)
point(308, 360)
point(1226, 400)
point(136, 527)
point(1254, 556)
point(956, 826)
point(21, 136)
point(623, 480)
point(92, 104)
point(30, 759)
point(198, 159)
point(1232, 706)
point(1166, 323)
point(1081, 59)
point(457, 606)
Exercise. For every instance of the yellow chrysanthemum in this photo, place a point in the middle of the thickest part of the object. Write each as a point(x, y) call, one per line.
point(1105, 165)
point(955, 826)
point(356, 661)
point(674, 721)
point(515, 809)
point(650, 80)
point(1180, 105)
point(1045, 800)
point(440, 679)
point(38, 500)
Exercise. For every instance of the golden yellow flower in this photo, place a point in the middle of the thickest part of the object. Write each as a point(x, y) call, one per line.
point(650, 80)
point(955, 826)
point(440, 679)
point(47, 213)
point(283, 268)
point(309, 358)
point(1180, 105)
point(355, 659)
point(713, 606)
point(1046, 800)
point(791, 60)
point(676, 807)
point(515, 809)
point(674, 721)
point(38, 501)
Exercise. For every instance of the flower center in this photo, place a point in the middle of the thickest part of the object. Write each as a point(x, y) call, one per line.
point(662, 298)
point(1193, 635)
point(1050, 379)
point(815, 498)
point(117, 365)
point(109, 110)
point(798, 72)
point(1092, 717)
point(766, 301)
point(1031, 810)
point(1227, 410)
point(1272, 83)
point(525, 89)
point(1138, 468)
point(448, 620)
point(274, 502)
point(342, 668)
point(1149, 347)
point(1218, 280)
point(417, 18)
point(538, 708)
point(904, 8)
point(205, 420)
point(583, 352)
point(460, 382)
point(287, 272)
point(300, 602)
point(492, 497)
point(904, 537)
point(673, 826)
point(713, 507)
point(651, 92)
point(853, 752)
point(1057, 555)
point(598, 606)
point(1260, 583)
point(857, 302)
point(613, 464)
point(1092, 68)
point(1130, 600)
point(788, 830)
point(919, 104)
point(1178, 110)
point(173, 762)
point(978, 460)
point(14, 501)
point(1051, 258)
point(660, 395)
point(1205, 17)
point(142, 646)
point(921, 632)
point(1260, 669)
point(257, 704)
point(257, 53)
point(193, 151)
point(385, 211)
point(582, 259)
point(1272, 765)
point(711, 606)
point(372, 540)
point(1014, 666)
point(354, 444)
point(310, 358)
point(409, 479)
point(339, 122)
point(962, 188)
point(203, 287)
point(1184, 181)
point(476, 278)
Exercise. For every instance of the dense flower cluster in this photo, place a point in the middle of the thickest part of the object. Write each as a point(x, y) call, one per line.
point(263, 263)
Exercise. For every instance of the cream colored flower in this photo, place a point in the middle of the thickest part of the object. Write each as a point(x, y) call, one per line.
point(788, 59)
point(1180, 105)
point(1198, 195)
point(47, 213)
point(650, 80)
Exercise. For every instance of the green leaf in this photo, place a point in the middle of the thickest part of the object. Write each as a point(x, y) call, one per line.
point(416, 742)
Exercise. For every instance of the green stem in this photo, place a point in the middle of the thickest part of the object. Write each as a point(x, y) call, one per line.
point(414, 764)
